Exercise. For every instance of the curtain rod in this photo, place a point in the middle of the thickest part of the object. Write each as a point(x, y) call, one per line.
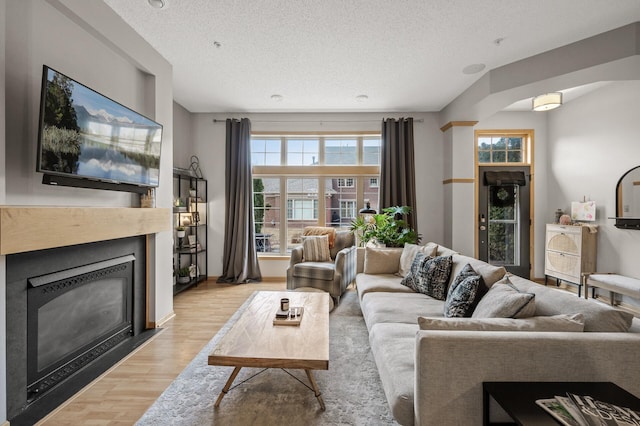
point(216, 120)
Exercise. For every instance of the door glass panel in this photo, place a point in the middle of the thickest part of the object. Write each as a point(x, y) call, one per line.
point(503, 225)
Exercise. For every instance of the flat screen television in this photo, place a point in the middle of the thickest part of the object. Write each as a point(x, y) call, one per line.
point(86, 139)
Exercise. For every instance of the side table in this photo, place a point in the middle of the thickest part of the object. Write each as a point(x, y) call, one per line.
point(518, 399)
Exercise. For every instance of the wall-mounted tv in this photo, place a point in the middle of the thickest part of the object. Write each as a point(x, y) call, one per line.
point(86, 139)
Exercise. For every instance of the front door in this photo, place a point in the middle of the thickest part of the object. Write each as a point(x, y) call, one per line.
point(504, 217)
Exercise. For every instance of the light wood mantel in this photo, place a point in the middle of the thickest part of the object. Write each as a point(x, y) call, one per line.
point(29, 228)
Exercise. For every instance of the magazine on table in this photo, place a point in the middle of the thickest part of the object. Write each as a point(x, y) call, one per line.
point(584, 410)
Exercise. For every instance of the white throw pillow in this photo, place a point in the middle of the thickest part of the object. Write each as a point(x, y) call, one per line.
point(316, 248)
point(563, 322)
point(409, 252)
point(381, 260)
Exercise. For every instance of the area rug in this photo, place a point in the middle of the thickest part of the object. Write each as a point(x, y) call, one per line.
point(351, 388)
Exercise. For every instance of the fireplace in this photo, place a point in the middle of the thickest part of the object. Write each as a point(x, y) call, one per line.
point(72, 313)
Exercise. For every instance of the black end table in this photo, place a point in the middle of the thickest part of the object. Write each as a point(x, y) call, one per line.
point(518, 399)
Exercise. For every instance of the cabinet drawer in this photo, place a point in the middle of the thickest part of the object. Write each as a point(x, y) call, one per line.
point(564, 242)
point(562, 263)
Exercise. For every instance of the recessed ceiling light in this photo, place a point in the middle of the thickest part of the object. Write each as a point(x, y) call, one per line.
point(158, 4)
point(276, 98)
point(473, 68)
point(362, 98)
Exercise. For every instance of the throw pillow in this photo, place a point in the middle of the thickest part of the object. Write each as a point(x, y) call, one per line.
point(433, 276)
point(316, 249)
point(409, 253)
point(321, 230)
point(464, 293)
point(381, 260)
point(570, 323)
point(411, 278)
point(504, 300)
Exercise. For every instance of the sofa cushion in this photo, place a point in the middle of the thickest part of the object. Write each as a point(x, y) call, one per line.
point(398, 308)
point(597, 316)
point(381, 260)
point(316, 248)
point(409, 252)
point(504, 300)
point(433, 276)
point(366, 283)
point(316, 270)
point(490, 273)
point(571, 323)
point(464, 293)
point(393, 349)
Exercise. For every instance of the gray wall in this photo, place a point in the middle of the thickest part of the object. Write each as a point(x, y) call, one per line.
point(182, 135)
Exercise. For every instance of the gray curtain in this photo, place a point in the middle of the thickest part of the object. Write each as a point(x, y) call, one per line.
point(397, 169)
point(240, 259)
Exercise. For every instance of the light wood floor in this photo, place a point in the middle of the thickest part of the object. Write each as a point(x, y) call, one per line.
point(124, 393)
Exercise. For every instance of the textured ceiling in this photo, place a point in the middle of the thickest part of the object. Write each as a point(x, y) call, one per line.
point(319, 55)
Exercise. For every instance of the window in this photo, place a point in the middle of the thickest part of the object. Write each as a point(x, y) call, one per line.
point(313, 180)
point(345, 182)
point(505, 148)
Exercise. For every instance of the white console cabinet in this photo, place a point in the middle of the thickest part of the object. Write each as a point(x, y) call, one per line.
point(570, 251)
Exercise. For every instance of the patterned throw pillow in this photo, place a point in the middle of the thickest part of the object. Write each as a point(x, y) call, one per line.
point(316, 249)
point(410, 279)
point(433, 276)
point(465, 292)
point(504, 300)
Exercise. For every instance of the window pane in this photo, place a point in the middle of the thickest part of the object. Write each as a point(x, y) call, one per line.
point(499, 156)
point(340, 151)
point(499, 143)
point(484, 143)
point(514, 156)
point(263, 151)
point(302, 152)
point(340, 202)
point(515, 143)
point(266, 213)
point(302, 208)
point(371, 151)
point(371, 194)
point(502, 247)
point(484, 156)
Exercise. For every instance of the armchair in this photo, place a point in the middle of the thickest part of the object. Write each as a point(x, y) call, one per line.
point(332, 276)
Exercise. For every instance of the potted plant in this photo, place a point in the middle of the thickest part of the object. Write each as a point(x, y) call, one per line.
point(183, 275)
point(387, 228)
point(180, 231)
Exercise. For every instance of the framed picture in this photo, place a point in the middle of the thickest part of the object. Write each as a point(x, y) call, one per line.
point(195, 217)
point(192, 240)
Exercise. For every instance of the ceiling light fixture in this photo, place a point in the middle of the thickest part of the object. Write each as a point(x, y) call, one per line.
point(158, 4)
point(362, 98)
point(547, 101)
point(276, 98)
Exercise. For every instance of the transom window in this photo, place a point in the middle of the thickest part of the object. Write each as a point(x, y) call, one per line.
point(314, 180)
point(503, 147)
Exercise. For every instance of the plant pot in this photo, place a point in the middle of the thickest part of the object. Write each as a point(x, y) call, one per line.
point(181, 234)
point(184, 280)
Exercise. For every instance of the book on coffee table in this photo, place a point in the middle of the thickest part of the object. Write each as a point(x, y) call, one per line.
point(291, 317)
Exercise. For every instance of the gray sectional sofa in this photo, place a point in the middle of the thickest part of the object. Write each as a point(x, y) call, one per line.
point(434, 376)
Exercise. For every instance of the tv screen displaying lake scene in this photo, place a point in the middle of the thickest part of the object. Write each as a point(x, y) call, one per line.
point(87, 135)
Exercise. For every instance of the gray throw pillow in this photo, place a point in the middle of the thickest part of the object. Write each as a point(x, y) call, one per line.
point(465, 292)
point(433, 276)
point(504, 300)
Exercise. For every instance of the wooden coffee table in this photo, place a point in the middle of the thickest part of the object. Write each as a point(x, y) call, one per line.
point(253, 341)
